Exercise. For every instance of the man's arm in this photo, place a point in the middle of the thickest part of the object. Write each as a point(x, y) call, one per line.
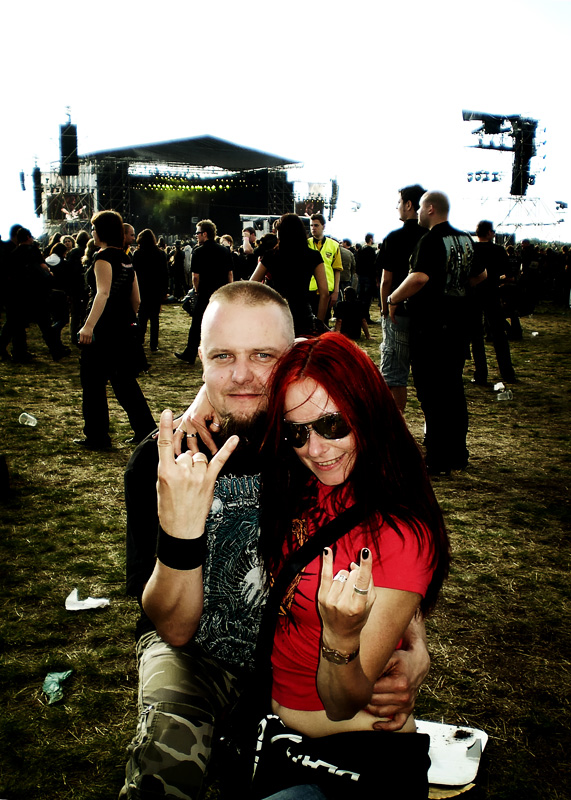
point(173, 597)
point(323, 291)
point(386, 287)
point(195, 281)
point(335, 293)
point(395, 692)
point(337, 266)
point(478, 278)
point(412, 284)
point(172, 600)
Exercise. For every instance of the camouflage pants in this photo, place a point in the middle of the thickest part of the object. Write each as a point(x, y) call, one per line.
point(181, 693)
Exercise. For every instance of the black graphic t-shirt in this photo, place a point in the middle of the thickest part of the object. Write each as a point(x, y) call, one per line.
point(233, 589)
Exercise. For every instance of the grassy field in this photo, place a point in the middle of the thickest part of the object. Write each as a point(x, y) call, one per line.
point(499, 638)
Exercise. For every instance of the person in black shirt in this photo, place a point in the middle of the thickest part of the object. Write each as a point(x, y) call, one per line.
point(211, 267)
point(393, 261)
point(79, 295)
point(367, 273)
point(486, 304)
point(194, 654)
point(108, 338)
point(150, 265)
point(289, 267)
point(29, 283)
point(350, 316)
point(436, 291)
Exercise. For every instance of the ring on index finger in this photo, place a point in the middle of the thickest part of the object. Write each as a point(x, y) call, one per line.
point(191, 435)
point(360, 591)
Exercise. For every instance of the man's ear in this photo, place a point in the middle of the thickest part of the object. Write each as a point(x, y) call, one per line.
point(200, 357)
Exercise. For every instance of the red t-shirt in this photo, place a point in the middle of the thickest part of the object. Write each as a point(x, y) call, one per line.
point(403, 565)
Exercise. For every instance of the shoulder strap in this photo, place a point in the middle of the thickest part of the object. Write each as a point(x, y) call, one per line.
point(324, 537)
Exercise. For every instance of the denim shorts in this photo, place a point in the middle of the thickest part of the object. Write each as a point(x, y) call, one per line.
point(395, 351)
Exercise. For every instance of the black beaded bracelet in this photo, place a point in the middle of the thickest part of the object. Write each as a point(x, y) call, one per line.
point(180, 553)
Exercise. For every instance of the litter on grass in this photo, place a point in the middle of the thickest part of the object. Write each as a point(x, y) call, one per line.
point(53, 685)
point(73, 603)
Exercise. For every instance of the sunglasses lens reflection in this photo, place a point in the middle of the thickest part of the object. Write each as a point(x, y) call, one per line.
point(331, 426)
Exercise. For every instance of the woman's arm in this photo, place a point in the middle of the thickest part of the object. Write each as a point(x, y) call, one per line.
point(103, 277)
point(259, 273)
point(372, 623)
point(323, 290)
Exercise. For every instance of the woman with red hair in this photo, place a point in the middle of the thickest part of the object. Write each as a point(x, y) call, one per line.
point(336, 439)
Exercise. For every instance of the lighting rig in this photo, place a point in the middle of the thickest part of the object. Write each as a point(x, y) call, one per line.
point(517, 135)
point(521, 131)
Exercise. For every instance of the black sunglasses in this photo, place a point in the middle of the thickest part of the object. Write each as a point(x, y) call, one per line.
point(331, 426)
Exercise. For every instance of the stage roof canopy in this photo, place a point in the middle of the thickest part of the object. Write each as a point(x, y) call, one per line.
point(201, 151)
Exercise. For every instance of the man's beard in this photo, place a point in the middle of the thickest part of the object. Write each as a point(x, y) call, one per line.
point(251, 430)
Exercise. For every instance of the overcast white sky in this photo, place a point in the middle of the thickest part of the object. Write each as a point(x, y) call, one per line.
point(370, 95)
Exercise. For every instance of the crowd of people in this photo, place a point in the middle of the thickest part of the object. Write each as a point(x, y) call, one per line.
point(288, 553)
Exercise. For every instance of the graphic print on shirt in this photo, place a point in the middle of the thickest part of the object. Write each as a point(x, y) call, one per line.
point(301, 535)
point(459, 257)
point(234, 594)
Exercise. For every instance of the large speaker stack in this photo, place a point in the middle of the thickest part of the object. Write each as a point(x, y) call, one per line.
point(68, 149)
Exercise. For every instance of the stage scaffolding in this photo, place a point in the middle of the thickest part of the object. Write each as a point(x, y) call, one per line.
point(169, 186)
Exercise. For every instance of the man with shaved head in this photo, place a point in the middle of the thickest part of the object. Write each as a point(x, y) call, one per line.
point(201, 605)
point(442, 269)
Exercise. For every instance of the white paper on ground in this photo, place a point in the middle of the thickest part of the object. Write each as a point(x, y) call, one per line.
point(73, 603)
point(454, 752)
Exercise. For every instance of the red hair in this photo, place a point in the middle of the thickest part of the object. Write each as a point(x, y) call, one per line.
point(388, 478)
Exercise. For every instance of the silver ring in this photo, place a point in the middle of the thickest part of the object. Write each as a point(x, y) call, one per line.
point(191, 435)
point(199, 457)
point(214, 424)
point(341, 578)
point(360, 591)
point(179, 430)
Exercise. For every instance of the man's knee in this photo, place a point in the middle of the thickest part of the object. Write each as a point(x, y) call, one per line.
point(180, 694)
point(169, 753)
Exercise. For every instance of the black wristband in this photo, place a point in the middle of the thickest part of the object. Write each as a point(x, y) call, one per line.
point(180, 553)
